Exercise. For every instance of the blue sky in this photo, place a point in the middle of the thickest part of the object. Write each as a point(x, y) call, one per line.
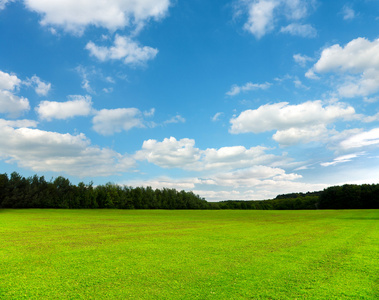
point(236, 99)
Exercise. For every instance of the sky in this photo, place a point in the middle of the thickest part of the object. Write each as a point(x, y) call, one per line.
point(243, 99)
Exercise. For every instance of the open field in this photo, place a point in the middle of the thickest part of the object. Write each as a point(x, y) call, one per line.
point(158, 254)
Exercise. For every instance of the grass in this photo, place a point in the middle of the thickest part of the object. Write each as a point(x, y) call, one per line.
point(158, 254)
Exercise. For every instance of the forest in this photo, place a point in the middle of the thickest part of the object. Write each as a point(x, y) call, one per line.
point(17, 191)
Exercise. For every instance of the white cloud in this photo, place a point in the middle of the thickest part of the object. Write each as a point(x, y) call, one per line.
point(175, 119)
point(253, 176)
point(362, 139)
point(3, 3)
point(264, 14)
point(260, 20)
point(296, 9)
point(18, 123)
point(358, 62)
point(84, 73)
point(124, 49)
point(13, 105)
point(302, 59)
point(297, 135)
point(217, 116)
point(235, 90)
point(87, 86)
point(166, 182)
point(76, 106)
point(170, 153)
point(109, 121)
point(40, 87)
point(348, 13)
point(227, 158)
point(371, 99)
point(311, 74)
point(74, 16)
point(212, 188)
point(342, 159)
point(107, 90)
point(149, 113)
point(215, 196)
point(369, 119)
point(303, 30)
point(91, 74)
point(51, 151)
point(357, 56)
point(8, 82)
point(254, 183)
point(282, 116)
point(299, 84)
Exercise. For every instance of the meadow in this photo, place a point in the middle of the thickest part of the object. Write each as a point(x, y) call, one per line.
point(189, 254)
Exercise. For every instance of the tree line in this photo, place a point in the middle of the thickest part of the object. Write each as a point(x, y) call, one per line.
point(350, 196)
point(17, 191)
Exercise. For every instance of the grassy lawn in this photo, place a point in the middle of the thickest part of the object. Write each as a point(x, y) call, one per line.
point(158, 254)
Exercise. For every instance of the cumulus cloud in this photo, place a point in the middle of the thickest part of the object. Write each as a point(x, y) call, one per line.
point(235, 90)
point(173, 153)
point(210, 190)
point(357, 63)
point(109, 121)
point(18, 123)
point(124, 49)
point(297, 135)
point(13, 105)
point(76, 106)
point(303, 30)
point(264, 14)
point(75, 16)
point(166, 182)
point(56, 152)
point(170, 153)
point(8, 82)
point(11, 82)
point(227, 158)
point(265, 189)
point(254, 183)
point(253, 176)
point(282, 116)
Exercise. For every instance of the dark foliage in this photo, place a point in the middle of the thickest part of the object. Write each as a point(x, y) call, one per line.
point(350, 196)
point(35, 192)
point(300, 202)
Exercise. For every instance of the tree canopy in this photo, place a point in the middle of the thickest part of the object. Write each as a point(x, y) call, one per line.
point(17, 191)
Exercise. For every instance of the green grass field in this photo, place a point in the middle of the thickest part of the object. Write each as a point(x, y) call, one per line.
point(158, 254)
